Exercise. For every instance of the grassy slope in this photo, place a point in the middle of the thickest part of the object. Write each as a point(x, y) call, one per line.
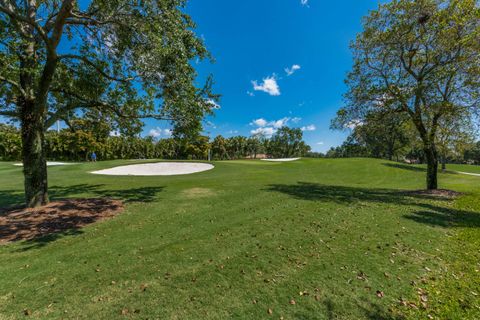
point(464, 168)
point(209, 245)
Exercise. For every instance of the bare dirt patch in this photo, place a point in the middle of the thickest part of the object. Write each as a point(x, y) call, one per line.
point(440, 193)
point(55, 218)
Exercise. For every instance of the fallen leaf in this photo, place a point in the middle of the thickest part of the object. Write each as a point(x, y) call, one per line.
point(380, 294)
point(269, 311)
point(292, 302)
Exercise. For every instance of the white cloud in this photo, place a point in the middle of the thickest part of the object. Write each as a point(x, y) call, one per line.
point(309, 128)
point(269, 85)
point(251, 94)
point(321, 143)
point(157, 132)
point(353, 124)
point(292, 69)
point(213, 104)
point(115, 134)
point(268, 128)
point(259, 122)
point(304, 2)
point(264, 131)
point(279, 123)
point(211, 124)
point(233, 132)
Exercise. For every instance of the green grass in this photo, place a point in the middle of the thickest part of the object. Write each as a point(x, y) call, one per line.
point(464, 168)
point(250, 236)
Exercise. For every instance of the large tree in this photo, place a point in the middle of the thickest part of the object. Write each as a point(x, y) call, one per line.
point(417, 58)
point(124, 60)
point(287, 142)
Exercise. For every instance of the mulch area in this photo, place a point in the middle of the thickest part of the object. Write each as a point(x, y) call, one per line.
point(440, 193)
point(56, 217)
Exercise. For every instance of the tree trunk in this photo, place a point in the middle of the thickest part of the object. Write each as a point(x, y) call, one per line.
point(34, 162)
point(444, 163)
point(432, 166)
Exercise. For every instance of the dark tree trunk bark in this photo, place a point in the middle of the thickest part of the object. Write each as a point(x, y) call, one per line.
point(34, 162)
point(444, 163)
point(432, 167)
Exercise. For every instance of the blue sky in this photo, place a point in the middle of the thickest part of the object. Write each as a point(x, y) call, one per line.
point(254, 40)
point(277, 62)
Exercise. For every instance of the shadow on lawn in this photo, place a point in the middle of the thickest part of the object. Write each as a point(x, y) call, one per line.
point(402, 166)
point(429, 213)
point(333, 310)
point(65, 217)
point(9, 198)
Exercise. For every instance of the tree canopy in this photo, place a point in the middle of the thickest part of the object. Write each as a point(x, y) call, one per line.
point(417, 58)
point(120, 61)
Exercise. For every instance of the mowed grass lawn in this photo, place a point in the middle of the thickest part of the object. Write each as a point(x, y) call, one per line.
point(464, 168)
point(311, 239)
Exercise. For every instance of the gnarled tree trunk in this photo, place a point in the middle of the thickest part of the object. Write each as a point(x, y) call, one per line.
point(34, 161)
point(432, 166)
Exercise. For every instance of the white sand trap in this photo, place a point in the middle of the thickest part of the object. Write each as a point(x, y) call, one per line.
point(281, 160)
point(49, 164)
point(157, 169)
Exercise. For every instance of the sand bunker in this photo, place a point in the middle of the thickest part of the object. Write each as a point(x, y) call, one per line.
point(49, 164)
point(282, 160)
point(157, 169)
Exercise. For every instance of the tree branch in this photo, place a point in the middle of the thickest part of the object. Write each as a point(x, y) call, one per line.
point(96, 67)
point(14, 84)
point(12, 114)
point(16, 17)
point(101, 106)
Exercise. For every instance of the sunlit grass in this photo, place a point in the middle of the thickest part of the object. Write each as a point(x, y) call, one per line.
point(311, 239)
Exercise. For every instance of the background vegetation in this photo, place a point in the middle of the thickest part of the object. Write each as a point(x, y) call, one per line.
point(77, 144)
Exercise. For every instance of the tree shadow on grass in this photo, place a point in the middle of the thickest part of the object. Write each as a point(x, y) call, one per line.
point(431, 213)
point(11, 198)
point(402, 166)
point(65, 217)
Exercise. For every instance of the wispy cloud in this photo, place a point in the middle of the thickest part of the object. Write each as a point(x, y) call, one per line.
point(213, 104)
point(264, 131)
point(353, 124)
point(157, 132)
point(268, 128)
point(268, 85)
point(311, 127)
point(292, 69)
point(304, 2)
point(321, 143)
point(261, 122)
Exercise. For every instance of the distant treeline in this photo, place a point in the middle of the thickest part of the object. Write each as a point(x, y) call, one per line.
point(69, 145)
point(392, 137)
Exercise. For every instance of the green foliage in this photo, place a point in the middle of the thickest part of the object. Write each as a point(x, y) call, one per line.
point(417, 59)
point(10, 143)
point(287, 143)
point(114, 61)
